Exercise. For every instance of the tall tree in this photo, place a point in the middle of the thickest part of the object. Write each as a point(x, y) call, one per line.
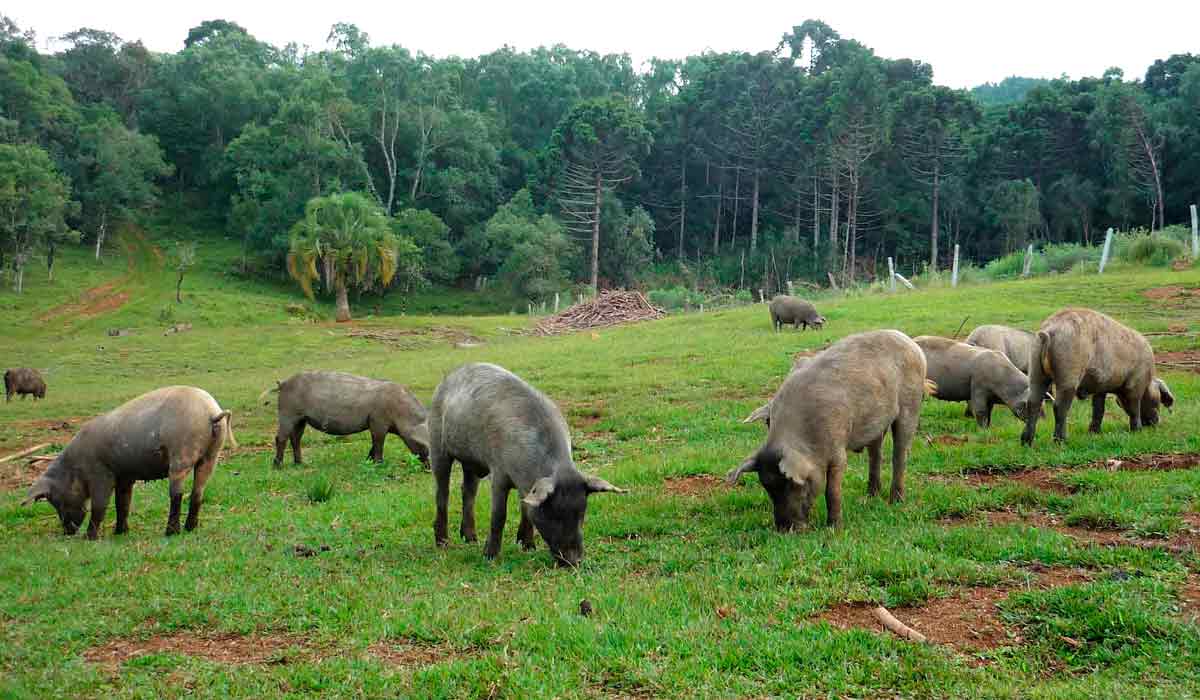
point(597, 146)
point(346, 240)
point(34, 203)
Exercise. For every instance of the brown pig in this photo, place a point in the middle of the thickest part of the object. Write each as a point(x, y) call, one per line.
point(981, 377)
point(23, 381)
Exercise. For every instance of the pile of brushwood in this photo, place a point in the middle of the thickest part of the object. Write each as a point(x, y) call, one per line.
point(607, 309)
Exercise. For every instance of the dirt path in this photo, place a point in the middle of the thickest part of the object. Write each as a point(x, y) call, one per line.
point(141, 256)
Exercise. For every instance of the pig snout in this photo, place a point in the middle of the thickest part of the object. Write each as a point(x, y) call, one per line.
point(570, 556)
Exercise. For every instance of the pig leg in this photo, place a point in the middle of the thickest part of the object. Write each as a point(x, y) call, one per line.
point(1097, 412)
point(875, 454)
point(833, 489)
point(101, 491)
point(1133, 405)
point(378, 435)
point(124, 498)
point(500, 489)
point(525, 530)
point(1064, 396)
point(980, 407)
point(176, 502)
point(297, 433)
point(903, 430)
point(441, 477)
point(199, 479)
point(470, 487)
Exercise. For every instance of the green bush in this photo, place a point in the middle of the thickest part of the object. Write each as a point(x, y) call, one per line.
point(320, 489)
point(1013, 264)
point(1066, 257)
point(1149, 249)
point(675, 298)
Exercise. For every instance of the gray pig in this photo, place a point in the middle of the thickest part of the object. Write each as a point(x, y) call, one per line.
point(163, 434)
point(337, 403)
point(1086, 353)
point(493, 422)
point(1013, 342)
point(785, 309)
point(979, 376)
point(23, 381)
point(845, 398)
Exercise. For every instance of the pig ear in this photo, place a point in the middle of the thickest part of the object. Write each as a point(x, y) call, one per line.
point(1165, 395)
point(39, 491)
point(597, 485)
point(797, 467)
point(762, 413)
point(542, 488)
point(750, 465)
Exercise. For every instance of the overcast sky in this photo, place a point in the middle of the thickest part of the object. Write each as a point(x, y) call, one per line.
point(966, 42)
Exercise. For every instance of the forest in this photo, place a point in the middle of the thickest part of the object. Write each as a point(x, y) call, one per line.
point(556, 168)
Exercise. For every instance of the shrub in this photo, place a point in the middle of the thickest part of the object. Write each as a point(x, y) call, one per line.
point(675, 298)
point(1065, 257)
point(1013, 264)
point(1147, 249)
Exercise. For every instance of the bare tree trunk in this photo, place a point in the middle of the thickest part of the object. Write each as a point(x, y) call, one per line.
point(596, 239)
point(342, 306)
point(50, 250)
point(720, 213)
point(682, 201)
point(833, 220)
point(816, 211)
point(100, 232)
point(933, 226)
point(179, 289)
point(737, 200)
point(796, 213)
point(754, 215)
point(20, 277)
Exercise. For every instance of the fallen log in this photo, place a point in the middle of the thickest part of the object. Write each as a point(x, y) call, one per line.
point(24, 453)
point(897, 627)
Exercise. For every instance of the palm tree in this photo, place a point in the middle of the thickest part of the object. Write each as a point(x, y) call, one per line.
point(348, 235)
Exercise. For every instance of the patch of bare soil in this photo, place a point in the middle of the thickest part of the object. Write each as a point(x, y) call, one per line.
point(1040, 479)
point(1150, 462)
point(19, 474)
point(412, 338)
point(1185, 540)
point(94, 302)
point(967, 620)
point(697, 485)
point(1188, 360)
point(583, 414)
point(946, 440)
point(412, 654)
point(1189, 598)
point(1172, 293)
point(218, 648)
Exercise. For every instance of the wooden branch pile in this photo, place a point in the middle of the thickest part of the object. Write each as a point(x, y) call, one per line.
point(608, 309)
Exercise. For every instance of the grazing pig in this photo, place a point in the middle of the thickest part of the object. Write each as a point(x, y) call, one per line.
point(845, 398)
point(785, 309)
point(1013, 342)
point(163, 434)
point(343, 404)
point(1086, 353)
point(493, 422)
point(979, 376)
point(23, 381)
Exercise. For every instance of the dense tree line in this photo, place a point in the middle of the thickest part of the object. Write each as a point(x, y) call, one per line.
point(812, 158)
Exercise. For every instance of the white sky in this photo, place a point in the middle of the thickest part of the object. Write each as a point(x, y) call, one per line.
point(968, 42)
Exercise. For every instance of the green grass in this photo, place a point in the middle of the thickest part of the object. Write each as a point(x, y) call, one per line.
point(646, 403)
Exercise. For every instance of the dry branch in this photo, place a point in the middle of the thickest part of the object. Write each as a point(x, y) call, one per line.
point(897, 627)
point(23, 453)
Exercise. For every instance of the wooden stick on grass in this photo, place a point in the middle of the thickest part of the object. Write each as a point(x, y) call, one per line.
point(897, 627)
point(23, 453)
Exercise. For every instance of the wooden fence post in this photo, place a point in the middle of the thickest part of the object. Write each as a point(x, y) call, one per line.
point(954, 270)
point(891, 275)
point(1195, 235)
point(1107, 246)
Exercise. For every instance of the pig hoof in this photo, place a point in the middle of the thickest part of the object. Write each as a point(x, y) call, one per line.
point(172, 530)
point(189, 526)
point(469, 537)
point(527, 545)
point(120, 530)
point(93, 536)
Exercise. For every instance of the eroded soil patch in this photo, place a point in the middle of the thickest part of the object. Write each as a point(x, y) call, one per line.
point(1185, 540)
point(1187, 360)
point(1172, 293)
point(411, 654)
point(413, 338)
point(1189, 598)
point(1047, 478)
point(1040, 479)
point(94, 302)
point(234, 649)
point(966, 620)
point(19, 474)
point(697, 485)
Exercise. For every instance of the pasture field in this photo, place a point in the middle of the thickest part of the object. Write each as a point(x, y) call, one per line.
point(1052, 571)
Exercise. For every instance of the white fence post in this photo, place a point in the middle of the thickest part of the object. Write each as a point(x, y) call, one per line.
point(789, 286)
point(1195, 235)
point(1107, 246)
point(903, 281)
point(954, 270)
point(556, 302)
point(891, 275)
point(1028, 260)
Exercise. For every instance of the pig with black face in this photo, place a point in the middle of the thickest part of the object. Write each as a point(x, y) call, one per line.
point(844, 399)
point(166, 433)
point(494, 423)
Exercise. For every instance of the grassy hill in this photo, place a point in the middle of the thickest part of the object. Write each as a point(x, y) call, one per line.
point(1042, 572)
